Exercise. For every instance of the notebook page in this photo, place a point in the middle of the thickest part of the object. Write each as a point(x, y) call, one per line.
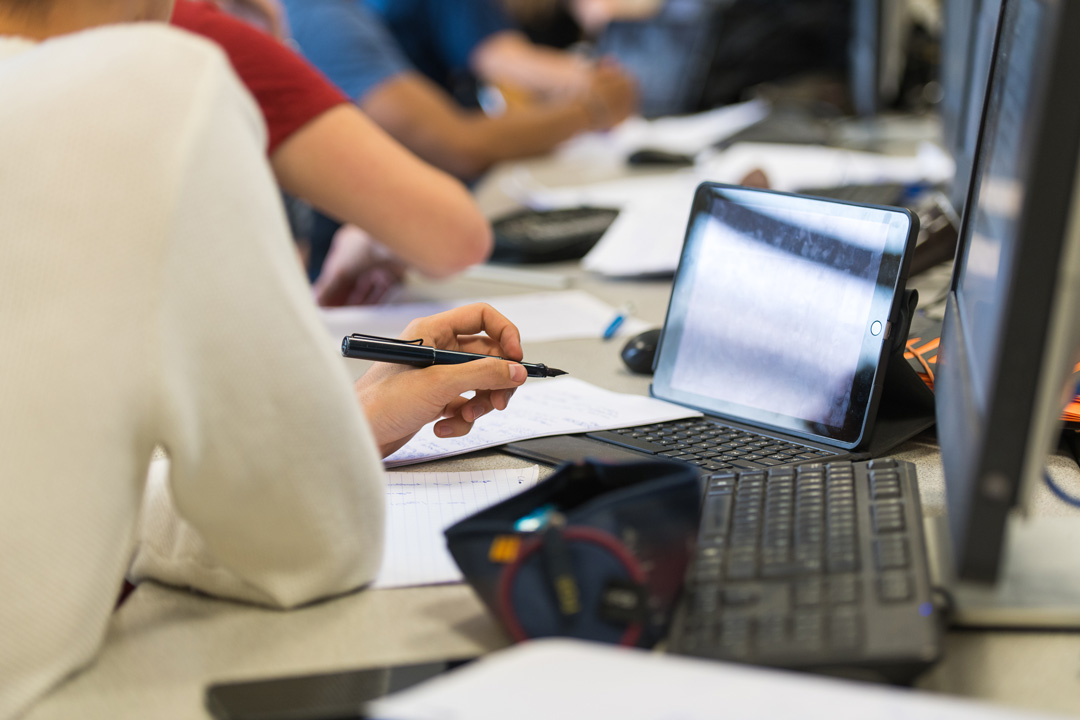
point(421, 505)
point(540, 408)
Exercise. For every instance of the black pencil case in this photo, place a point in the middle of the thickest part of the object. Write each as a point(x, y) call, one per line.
point(597, 551)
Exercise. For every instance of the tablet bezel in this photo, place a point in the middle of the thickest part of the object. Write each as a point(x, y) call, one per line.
point(884, 308)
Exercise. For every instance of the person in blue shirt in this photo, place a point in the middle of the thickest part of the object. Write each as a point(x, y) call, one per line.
point(439, 36)
point(350, 44)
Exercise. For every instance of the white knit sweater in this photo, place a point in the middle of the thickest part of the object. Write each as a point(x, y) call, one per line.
point(149, 294)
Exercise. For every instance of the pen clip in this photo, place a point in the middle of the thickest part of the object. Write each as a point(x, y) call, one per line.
point(362, 336)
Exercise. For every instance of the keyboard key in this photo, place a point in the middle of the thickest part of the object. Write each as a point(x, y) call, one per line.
point(807, 630)
point(746, 464)
point(741, 595)
point(894, 586)
point(845, 628)
point(888, 517)
point(809, 591)
point(772, 633)
point(890, 553)
point(843, 590)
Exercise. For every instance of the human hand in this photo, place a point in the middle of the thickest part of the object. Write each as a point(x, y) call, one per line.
point(357, 270)
point(612, 95)
point(399, 400)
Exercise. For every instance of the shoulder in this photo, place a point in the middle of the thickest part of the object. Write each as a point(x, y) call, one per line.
point(147, 79)
point(131, 51)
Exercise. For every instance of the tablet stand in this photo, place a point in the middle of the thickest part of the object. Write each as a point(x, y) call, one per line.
point(906, 407)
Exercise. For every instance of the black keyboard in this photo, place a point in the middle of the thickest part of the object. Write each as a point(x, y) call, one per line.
point(819, 566)
point(712, 445)
point(539, 236)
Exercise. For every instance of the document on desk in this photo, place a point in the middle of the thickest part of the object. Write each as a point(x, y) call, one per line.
point(793, 167)
point(541, 408)
point(540, 317)
point(576, 680)
point(683, 134)
point(421, 505)
point(647, 236)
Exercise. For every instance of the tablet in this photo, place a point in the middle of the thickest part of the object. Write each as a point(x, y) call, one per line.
point(781, 311)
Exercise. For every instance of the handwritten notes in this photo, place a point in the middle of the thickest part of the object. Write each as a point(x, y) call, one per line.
point(421, 505)
point(541, 408)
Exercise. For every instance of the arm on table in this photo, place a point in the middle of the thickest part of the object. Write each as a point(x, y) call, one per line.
point(344, 164)
point(465, 143)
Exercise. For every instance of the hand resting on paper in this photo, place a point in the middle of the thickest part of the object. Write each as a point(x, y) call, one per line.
point(399, 400)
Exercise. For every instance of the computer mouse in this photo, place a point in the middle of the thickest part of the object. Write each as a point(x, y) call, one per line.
point(639, 351)
point(652, 156)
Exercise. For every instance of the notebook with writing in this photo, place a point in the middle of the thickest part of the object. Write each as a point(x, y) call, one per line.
point(785, 312)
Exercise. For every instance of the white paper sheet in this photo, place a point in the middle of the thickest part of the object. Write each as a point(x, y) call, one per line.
point(685, 134)
point(541, 408)
point(574, 680)
point(421, 505)
point(647, 236)
point(560, 315)
point(793, 167)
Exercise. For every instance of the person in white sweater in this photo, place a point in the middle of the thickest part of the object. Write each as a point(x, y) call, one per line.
point(150, 295)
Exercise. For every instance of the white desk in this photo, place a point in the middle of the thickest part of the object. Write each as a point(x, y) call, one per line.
point(164, 646)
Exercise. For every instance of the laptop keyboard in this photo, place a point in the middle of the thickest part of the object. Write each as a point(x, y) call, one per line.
point(712, 445)
point(814, 566)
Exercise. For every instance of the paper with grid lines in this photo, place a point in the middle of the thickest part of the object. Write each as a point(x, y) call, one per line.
point(420, 505)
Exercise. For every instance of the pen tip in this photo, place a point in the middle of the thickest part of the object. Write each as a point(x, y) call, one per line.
point(555, 372)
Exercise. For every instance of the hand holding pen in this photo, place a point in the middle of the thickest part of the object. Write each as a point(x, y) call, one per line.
point(417, 354)
point(399, 400)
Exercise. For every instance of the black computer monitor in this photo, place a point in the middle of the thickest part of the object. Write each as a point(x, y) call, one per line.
point(957, 34)
point(877, 53)
point(1010, 333)
point(971, 28)
point(669, 54)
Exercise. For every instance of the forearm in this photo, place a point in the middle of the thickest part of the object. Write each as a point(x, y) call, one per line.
point(466, 143)
point(346, 166)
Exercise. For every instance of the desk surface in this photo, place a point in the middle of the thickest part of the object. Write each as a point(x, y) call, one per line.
point(164, 646)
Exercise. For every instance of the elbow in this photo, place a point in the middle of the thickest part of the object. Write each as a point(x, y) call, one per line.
point(463, 161)
point(462, 148)
point(469, 243)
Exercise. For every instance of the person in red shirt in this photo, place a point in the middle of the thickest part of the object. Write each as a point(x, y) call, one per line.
point(326, 152)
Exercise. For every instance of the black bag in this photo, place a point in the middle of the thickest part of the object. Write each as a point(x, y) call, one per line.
point(596, 551)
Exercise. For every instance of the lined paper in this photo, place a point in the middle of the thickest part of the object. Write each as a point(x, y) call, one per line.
point(421, 505)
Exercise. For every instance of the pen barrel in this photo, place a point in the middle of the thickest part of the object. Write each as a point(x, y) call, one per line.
point(455, 357)
point(416, 355)
point(419, 355)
